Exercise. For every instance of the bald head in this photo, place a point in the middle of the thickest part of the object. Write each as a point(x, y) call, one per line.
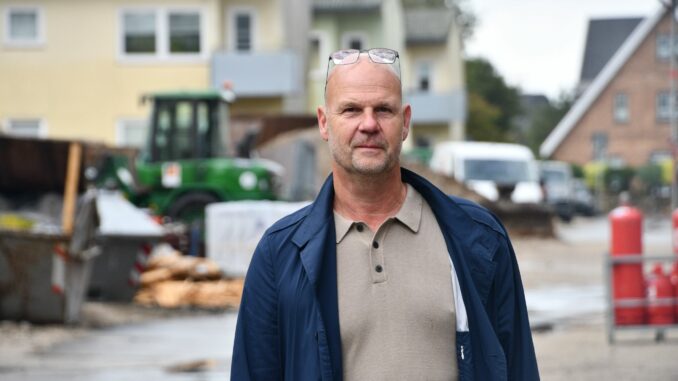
point(361, 71)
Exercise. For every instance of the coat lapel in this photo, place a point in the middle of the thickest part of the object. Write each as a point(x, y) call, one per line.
point(471, 248)
point(316, 240)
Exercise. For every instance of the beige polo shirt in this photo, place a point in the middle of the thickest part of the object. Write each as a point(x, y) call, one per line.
point(396, 304)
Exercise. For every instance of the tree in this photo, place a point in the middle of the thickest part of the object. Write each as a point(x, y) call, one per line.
point(490, 120)
point(546, 119)
point(482, 120)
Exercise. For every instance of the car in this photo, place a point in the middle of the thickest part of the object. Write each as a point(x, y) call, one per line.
point(557, 181)
point(497, 171)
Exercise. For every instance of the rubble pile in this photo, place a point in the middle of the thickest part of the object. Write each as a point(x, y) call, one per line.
point(172, 280)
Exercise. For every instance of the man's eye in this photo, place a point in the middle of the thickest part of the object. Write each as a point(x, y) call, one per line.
point(349, 110)
point(384, 110)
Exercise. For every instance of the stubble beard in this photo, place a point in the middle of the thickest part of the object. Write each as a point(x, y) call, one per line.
point(348, 159)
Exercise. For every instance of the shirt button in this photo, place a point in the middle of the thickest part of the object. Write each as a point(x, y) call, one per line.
point(375, 244)
point(359, 227)
point(378, 268)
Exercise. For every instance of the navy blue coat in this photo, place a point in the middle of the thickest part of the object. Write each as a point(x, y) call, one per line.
point(288, 324)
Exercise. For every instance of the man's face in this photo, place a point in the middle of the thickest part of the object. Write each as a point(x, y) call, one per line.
point(364, 120)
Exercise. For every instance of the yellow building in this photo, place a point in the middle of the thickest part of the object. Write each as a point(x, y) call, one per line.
point(78, 69)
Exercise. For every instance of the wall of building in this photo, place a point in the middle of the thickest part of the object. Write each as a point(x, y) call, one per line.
point(641, 78)
point(269, 30)
point(77, 81)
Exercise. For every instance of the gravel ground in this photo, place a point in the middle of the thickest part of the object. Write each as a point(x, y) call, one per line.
point(567, 349)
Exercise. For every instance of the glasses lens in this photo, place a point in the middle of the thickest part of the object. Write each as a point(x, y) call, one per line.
point(382, 55)
point(343, 57)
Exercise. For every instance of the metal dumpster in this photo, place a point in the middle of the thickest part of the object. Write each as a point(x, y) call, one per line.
point(126, 235)
point(44, 270)
point(43, 274)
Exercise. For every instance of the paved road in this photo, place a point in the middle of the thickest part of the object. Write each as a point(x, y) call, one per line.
point(135, 352)
point(563, 289)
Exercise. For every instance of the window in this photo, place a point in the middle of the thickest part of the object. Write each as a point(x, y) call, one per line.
point(161, 33)
point(663, 106)
point(24, 26)
point(424, 76)
point(355, 43)
point(663, 46)
point(139, 30)
point(132, 133)
point(621, 108)
point(354, 40)
point(29, 128)
point(314, 53)
point(243, 32)
point(241, 22)
point(184, 32)
point(599, 142)
point(317, 54)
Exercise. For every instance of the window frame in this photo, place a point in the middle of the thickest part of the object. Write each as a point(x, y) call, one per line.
point(322, 36)
point(354, 34)
point(39, 40)
point(659, 118)
point(42, 126)
point(667, 36)
point(418, 75)
point(616, 109)
point(162, 35)
point(232, 13)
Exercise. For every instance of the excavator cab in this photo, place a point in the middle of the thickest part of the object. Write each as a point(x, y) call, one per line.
point(187, 125)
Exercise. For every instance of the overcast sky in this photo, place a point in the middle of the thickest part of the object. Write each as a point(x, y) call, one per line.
point(538, 45)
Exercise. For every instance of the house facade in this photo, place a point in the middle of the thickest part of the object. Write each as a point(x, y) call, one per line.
point(622, 115)
point(433, 76)
point(78, 70)
point(72, 69)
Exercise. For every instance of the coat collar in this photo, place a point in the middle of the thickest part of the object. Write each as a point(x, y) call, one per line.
point(319, 223)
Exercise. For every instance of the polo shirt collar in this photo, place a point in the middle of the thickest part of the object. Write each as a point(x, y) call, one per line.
point(409, 215)
point(341, 226)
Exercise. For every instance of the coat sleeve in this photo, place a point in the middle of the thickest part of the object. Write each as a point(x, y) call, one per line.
point(511, 319)
point(256, 351)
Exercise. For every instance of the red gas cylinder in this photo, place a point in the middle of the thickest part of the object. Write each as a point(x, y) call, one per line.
point(626, 224)
point(674, 282)
point(659, 297)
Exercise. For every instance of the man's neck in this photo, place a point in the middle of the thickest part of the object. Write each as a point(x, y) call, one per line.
point(371, 199)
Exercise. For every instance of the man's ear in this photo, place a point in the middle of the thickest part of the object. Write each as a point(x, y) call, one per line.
point(407, 116)
point(322, 122)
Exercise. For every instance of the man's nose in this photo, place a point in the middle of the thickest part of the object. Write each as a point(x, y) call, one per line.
point(369, 122)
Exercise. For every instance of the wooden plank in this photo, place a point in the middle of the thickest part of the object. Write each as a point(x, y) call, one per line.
point(71, 187)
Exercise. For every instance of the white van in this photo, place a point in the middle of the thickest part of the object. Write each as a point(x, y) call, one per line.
point(493, 170)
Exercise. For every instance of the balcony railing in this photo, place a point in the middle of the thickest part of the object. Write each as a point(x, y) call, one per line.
point(430, 107)
point(257, 75)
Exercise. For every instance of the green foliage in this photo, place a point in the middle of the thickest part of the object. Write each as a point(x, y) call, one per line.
point(482, 120)
point(577, 171)
point(491, 119)
point(546, 119)
point(650, 175)
point(618, 179)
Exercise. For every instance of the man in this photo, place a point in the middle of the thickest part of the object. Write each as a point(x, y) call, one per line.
point(383, 277)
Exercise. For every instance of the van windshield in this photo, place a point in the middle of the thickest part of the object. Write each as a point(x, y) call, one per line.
point(499, 171)
point(553, 176)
